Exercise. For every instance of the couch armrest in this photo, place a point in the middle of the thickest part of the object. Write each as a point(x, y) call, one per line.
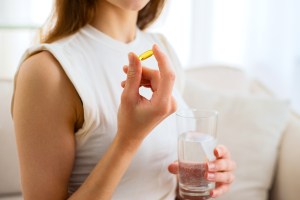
point(287, 180)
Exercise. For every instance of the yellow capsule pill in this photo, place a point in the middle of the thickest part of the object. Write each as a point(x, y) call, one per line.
point(146, 55)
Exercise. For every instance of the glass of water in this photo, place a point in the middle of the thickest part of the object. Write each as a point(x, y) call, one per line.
point(196, 143)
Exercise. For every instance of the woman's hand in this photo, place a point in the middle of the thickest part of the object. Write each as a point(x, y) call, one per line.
point(219, 170)
point(137, 115)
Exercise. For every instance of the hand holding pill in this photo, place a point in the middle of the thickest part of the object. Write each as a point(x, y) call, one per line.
point(137, 113)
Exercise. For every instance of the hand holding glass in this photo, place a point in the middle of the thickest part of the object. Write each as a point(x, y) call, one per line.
point(196, 143)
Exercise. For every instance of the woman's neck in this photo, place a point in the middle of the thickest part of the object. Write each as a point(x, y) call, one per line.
point(117, 23)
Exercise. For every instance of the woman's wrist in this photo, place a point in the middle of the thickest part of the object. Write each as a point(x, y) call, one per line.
point(126, 144)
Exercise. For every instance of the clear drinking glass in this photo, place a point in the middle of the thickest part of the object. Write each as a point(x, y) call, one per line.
point(196, 143)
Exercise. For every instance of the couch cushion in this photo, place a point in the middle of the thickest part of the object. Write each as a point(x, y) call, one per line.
point(12, 197)
point(250, 126)
point(9, 173)
point(220, 78)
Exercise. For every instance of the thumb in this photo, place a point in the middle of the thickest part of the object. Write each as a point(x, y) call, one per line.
point(173, 168)
point(134, 75)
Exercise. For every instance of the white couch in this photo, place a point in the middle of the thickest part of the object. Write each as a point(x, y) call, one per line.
point(268, 165)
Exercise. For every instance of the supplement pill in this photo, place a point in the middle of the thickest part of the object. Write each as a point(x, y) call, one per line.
point(146, 55)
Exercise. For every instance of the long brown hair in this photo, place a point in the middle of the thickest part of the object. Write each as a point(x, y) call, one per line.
point(68, 16)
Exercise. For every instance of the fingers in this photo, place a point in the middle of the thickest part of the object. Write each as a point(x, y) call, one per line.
point(167, 75)
point(222, 152)
point(134, 75)
point(221, 165)
point(219, 190)
point(145, 83)
point(221, 171)
point(150, 78)
point(220, 177)
point(161, 81)
point(173, 168)
point(147, 73)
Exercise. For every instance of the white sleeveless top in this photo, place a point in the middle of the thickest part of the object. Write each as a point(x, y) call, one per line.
point(93, 62)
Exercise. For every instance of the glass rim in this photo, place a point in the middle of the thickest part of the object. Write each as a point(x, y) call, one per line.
point(197, 113)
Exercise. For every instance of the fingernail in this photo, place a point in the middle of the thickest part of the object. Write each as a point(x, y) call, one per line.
point(219, 152)
point(211, 166)
point(130, 58)
point(157, 48)
point(212, 193)
point(210, 176)
point(123, 83)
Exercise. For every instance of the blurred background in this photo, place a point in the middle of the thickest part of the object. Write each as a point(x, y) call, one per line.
point(260, 37)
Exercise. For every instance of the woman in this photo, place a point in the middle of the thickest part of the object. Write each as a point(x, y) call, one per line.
point(80, 135)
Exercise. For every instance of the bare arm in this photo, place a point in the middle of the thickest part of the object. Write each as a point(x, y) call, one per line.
point(47, 110)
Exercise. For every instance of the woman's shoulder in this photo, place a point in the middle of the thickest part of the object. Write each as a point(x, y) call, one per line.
point(41, 75)
point(45, 58)
point(41, 64)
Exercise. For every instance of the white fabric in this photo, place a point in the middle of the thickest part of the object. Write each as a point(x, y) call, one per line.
point(93, 62)
point(251, 127)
